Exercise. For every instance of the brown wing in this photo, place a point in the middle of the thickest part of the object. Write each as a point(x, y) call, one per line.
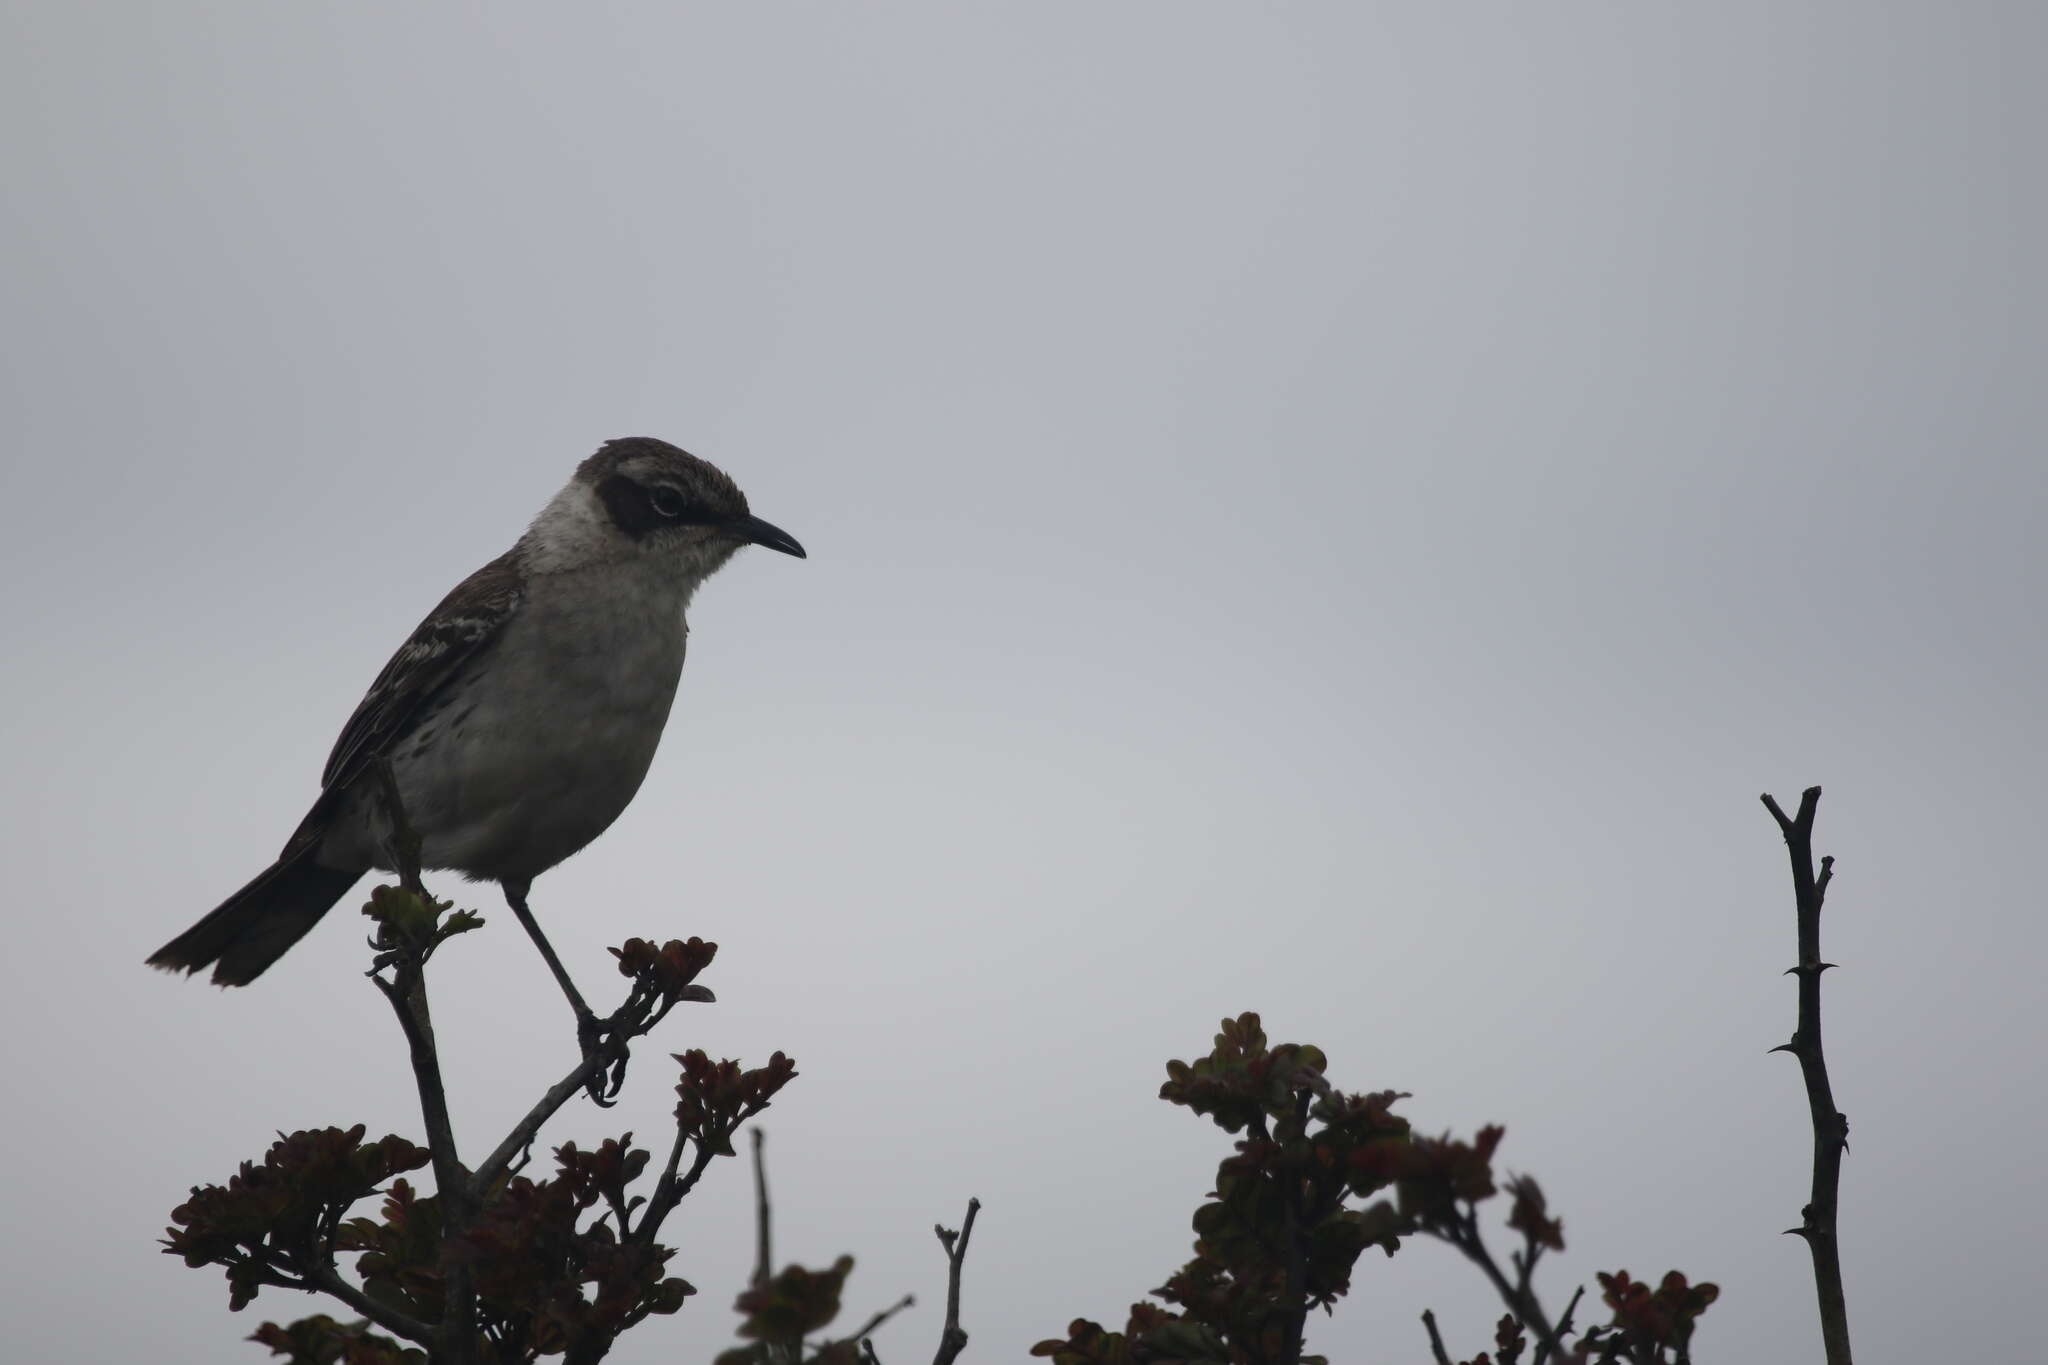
point(467, 620)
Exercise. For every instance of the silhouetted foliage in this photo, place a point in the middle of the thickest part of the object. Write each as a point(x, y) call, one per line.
point(1280, 1235)
point(275, 1223)
point(498, 1267)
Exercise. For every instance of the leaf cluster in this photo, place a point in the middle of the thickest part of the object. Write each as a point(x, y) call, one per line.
point(560, 1265)
point(413, 922)
point(714, 1098)
point(1649, 1325)
point(276, 1223)
point(548, 1279)
point(668, 973)
point(1317, 1177)
point(779, 1313)
point(320, 1340)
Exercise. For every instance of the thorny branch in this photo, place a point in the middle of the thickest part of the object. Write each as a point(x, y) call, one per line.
point(1830, 1125)
point(1564, 1324)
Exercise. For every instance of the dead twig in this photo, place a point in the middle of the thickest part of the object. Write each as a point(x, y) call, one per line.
point(952, 1339)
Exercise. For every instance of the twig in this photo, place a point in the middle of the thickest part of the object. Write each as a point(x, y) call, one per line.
point(777, 1353)
point(631, 1021)
point(764, 1255)
point(454, 1337)
point(867, 1329)
point(670, 1189)
point(328, 1280)
point(1564, 1325)
point(952, 1339)
point(408, 998)
point(1520, 1299)
point(1830, 1125)
point(1436, 1341)
point(523, 1132)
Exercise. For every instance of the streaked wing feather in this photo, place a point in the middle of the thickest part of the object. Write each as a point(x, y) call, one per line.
point(467, 620)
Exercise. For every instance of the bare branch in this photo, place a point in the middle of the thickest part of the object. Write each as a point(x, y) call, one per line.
point(764, 1255)
point(1436, 1341)
point(1830, 1125)
point(522, 1134)
point(867, 1329)
point(455, 1337)
point(632, 1020)
point(952, 1339)
point(669, 1191)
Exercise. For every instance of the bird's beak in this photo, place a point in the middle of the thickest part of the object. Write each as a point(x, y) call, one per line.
point(755, 531)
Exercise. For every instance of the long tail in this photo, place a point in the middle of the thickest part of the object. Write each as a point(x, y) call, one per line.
point(254, 927)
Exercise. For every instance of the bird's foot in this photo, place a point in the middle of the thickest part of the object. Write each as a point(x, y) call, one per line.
point(603, 1043)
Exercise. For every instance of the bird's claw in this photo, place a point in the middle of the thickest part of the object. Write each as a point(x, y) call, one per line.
point(602, 1041)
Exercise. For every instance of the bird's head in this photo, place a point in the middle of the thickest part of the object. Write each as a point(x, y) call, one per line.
point(639, 499)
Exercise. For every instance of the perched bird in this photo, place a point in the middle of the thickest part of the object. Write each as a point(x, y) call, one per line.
point(520, 718)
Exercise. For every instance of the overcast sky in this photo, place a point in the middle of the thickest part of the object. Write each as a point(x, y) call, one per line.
point(1331, 510)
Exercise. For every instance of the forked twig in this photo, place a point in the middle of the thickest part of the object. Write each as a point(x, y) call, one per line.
point(952, 1338)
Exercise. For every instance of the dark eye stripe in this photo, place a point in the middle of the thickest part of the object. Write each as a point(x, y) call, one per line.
point(636, 508)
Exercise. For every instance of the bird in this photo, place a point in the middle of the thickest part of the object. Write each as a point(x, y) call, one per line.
point(518, 721)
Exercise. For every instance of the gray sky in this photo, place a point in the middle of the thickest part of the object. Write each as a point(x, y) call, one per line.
point(1330, 510)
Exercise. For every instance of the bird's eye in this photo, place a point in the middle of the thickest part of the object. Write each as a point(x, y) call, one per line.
point(666, 501)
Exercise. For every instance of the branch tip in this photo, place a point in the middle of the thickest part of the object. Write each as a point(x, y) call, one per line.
point(1436, 1341)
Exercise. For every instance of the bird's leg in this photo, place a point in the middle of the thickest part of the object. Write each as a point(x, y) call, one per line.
point(588, 1031)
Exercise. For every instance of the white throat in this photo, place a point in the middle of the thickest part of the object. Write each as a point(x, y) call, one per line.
point(574, 534)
